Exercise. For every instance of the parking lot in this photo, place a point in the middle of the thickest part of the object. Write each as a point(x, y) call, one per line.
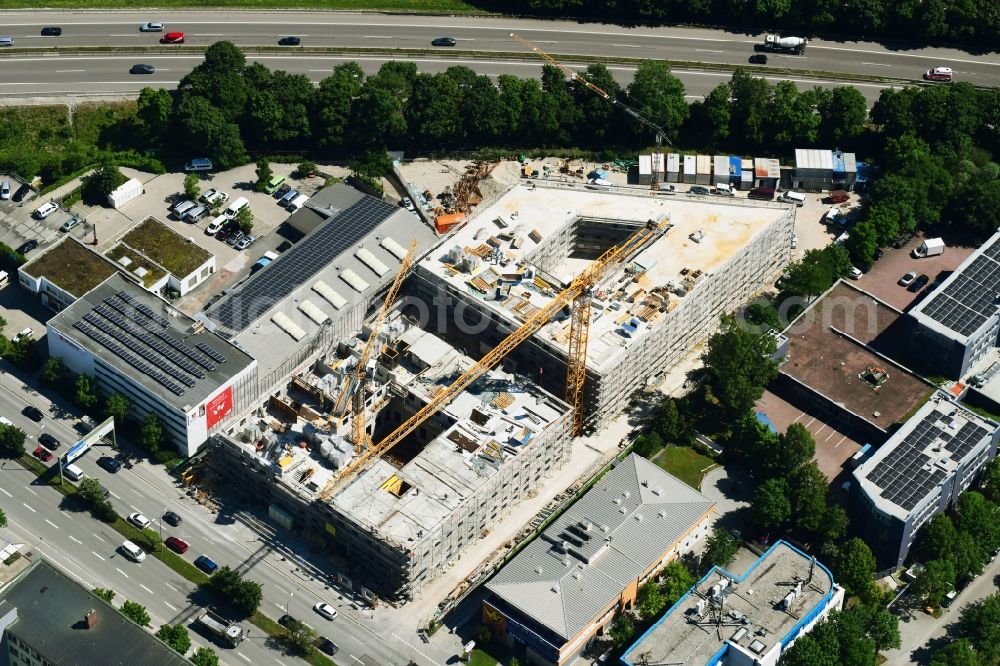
point(833, 445)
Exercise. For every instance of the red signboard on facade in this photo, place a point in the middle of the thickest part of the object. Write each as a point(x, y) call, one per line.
point(220, 406)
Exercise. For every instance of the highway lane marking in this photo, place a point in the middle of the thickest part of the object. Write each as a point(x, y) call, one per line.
point(170, 606)
point(113, 493)
point(68, 71)
point(877, 64)
point(146, 588)
point(377, 37)
point(280, 662)
point(356, 659)
point(6, 493)
point(627, 46)
point(30, 490)
point(244, 658)
point(121, 572)
point(708, 51)
point(171, 586)
point(51, 523)
point(28, 507)
point(98, 556)
point(75, 539)
point(134, 508)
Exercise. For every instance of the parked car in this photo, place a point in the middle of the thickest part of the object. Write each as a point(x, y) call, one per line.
point(21, 192)
point(214, 197)
point(172, 38)
point(206, 564)
point(280, 193)
point(919, 283)
point(70, 223)
point(698, 189)
point(151, 27)
point(176, 545)
point(215, 226)
point(907, 279)
point(325, 609)
point(855, 273)
point(48, 441)
point(444, 41)
point(139, 520)
point(110, 464)
point(142, 69)
point(407, 203)
point(33, 413)
point(234, 238)
point(45, 210)
point(289, 41)
point(42, 454)
point(245, 242)
point(51, 31)
point(171, 518)
point(26, 247)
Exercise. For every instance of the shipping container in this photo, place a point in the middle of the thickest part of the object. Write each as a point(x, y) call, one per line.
point(690, 169)
point(704, 166)
point(673, 167)
point(127, 191)
point(645, 169)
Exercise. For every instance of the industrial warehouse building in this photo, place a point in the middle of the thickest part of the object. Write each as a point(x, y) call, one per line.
point(513, 257)
point(919, 472)
point(727, 620)
point(161, 360)
point(554, 597)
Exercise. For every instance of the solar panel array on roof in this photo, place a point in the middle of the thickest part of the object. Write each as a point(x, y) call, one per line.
point(301, 262)
point(970, 299)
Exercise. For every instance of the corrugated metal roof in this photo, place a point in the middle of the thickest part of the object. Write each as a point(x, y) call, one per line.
point(704, 163)
point(645, 165)
point(586, 557)
point(720, 166)
point(813, 158)
point(673, 162)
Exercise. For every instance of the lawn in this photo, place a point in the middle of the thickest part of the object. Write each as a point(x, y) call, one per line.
point(685, 463)
point(443, 6)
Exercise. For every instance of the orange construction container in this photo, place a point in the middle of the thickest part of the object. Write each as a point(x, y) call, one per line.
point(445, 222)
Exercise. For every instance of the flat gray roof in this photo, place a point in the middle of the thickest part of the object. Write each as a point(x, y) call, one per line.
point(51, 610)
point(146, 339)
point(582, 561)
point(747, 614)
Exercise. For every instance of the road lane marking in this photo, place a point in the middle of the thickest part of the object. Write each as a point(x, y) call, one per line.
point(69, 71)
point(207, 34)
point(30, 490)
point(51, 523)
point(146, 588)
point(115, 495)
point(170, 606)
point(378, 37)
point(708, 51)
point(75, 539)
point(134, 508)
point(98, 556)
point(877, 64)
point(6, 493)
point(280, 662)
point(171, 586)
point(100, 537)
point(244, 658)
point(627, 46)
point(121, 572)
point(28, 507)
point(356, 659)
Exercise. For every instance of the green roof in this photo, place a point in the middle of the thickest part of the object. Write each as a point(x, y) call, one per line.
point(71, 266)
point(166, 247)
point(153, 272)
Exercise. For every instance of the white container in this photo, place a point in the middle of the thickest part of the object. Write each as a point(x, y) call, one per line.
point(127, 191)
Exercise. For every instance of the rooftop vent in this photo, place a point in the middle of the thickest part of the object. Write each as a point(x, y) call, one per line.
point(90, 619)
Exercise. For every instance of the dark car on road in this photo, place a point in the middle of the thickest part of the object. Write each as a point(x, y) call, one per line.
point(31, 411)
point(289, 41)
point(919, 283)
point(142, 69)
point(110, 464)
point(51, 31)
point(758, 59)
point(698, 189)
point(175, 544)
point(444, 41)
point(206, 564)
point(48, 441)
point(27, 247)
point(172, 518)
point(21, 192)
point(327, 646)
point(286, 620)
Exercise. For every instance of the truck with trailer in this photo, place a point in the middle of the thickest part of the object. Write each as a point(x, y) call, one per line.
point(778, 44)
point(931, 247)
point(230, 633)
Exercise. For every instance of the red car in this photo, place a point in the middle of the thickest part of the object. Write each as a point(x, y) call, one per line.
point(42, 454)
point(176, 545)
point(172, 38)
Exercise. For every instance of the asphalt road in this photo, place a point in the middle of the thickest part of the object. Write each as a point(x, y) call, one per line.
point(53, 74)
point(87, 549)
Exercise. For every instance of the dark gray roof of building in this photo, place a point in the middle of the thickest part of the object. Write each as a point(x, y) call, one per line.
point(155, 345)
point(608, 538)
point(51, 610)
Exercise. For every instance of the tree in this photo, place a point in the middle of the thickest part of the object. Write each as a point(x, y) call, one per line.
point(135, 612)
point(791, 119)
point(377, 118)
point(855, 567)
point(54, 371)
point(936, 538)
point(600, 116)
point(749, 105)
point(151, 433)
point(299, 638)
point(808, 488)
point(11, 441)
point(981, 519)
point(176, 636)
point(815, 273)
point(739, 366)
point(771, 508)
point(95, 187)
point(863, 241)
point(116, 406)
point(205, 657)
point(247, 597)
point(990, 481)
point(432, 111)
point(86, 394)
point(843, 112)
point(795, 447)
point(205, 129)
point(648, 444)
point(957, 653)
point(306, 168)
point(3, 519)
point(154, 110)
point(717, 110)
point(935, 581)
point(622, 630)
point(677, 579)
point(245, 219)
point(835, 523)
point(658, 96)
point(90, 491)
point(332, 104)
point(192, 188)
point(980, 623)
point(264, 175)
point(762, 314)
point(482, 635)
point(720, 549)
point(650, 601)
point(514, 661)
point(107, 594)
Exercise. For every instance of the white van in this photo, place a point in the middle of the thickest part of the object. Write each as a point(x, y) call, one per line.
point(296, 203)
point(236, 207)
point(133, 552)
point(796, 198)
point(73, 473)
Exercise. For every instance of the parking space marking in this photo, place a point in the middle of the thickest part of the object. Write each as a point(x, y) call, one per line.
point(6, 493)
point(134, 508)
point(146, 588)
point(121, 572)
point(75, 539)
point(832, 433)
point(810, 421)
point(840, 442)
point(98, 556)
point(356, 659)
point(801, 414)
point(51, 523)
point(816, 434)
point(28, 507)
point(170, 606)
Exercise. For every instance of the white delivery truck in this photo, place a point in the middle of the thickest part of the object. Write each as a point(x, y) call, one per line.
point(929, 248)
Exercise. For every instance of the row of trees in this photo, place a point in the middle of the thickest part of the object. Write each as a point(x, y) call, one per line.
point(972, 25)
point(976, 642)
point(244, 595)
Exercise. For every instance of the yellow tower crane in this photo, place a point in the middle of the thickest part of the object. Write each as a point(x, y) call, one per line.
point(355, 385)
point(577, 296)
point(659, 132)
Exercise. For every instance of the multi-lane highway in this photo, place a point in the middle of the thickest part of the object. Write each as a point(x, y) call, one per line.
point(87, 549)
point(62, 71)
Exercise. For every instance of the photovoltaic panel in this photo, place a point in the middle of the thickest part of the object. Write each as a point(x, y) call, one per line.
point(143, 308)
point(969, 300)
point(211, 353)
point(301, 262)
point(134, 346)
point(129, 358)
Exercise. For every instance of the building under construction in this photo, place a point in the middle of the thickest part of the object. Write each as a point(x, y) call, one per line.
point(514, 257)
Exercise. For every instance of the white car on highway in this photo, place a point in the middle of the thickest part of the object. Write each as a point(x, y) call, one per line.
point(133, 552)
point(325, 609)
point(139, 520)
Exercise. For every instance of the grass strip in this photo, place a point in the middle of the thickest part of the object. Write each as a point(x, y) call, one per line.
point(275, 630)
